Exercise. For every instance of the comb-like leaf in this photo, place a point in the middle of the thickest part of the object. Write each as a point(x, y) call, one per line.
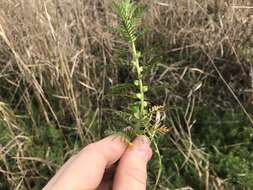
point(120, 89)
point(129, 15)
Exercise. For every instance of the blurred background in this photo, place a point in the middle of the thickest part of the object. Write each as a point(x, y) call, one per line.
point(59, 64)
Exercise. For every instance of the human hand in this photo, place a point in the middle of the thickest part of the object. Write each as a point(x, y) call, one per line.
point(89, 169)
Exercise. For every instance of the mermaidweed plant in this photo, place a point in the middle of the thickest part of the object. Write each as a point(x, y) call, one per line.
point(142, 119)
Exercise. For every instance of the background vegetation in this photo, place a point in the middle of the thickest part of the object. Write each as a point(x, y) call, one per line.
point(59, 65)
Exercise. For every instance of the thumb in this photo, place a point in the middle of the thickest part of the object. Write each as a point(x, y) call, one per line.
point(131, 172)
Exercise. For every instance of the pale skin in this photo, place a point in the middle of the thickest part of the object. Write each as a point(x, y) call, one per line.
point(106, 164)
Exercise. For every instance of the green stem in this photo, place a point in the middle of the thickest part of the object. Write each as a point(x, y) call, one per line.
point(159, 172)
point(160, 166)
point(136, 64)
point(139, 75)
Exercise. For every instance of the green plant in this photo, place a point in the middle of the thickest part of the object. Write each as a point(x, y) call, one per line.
point(142, 119)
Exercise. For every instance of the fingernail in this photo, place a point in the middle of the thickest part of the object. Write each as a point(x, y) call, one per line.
point(142, 146)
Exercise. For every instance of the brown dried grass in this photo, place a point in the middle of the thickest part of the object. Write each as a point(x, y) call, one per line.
point(59, 56)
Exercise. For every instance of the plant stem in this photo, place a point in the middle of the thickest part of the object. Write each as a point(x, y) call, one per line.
point(138, 68)
point(160, 166)
point(139, 75)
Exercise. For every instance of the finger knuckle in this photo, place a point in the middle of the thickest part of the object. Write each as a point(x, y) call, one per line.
point(137, 174)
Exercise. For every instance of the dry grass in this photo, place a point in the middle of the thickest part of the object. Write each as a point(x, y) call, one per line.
point(57, 62)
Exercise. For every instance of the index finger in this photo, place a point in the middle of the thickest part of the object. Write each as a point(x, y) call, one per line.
point(86, 170)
